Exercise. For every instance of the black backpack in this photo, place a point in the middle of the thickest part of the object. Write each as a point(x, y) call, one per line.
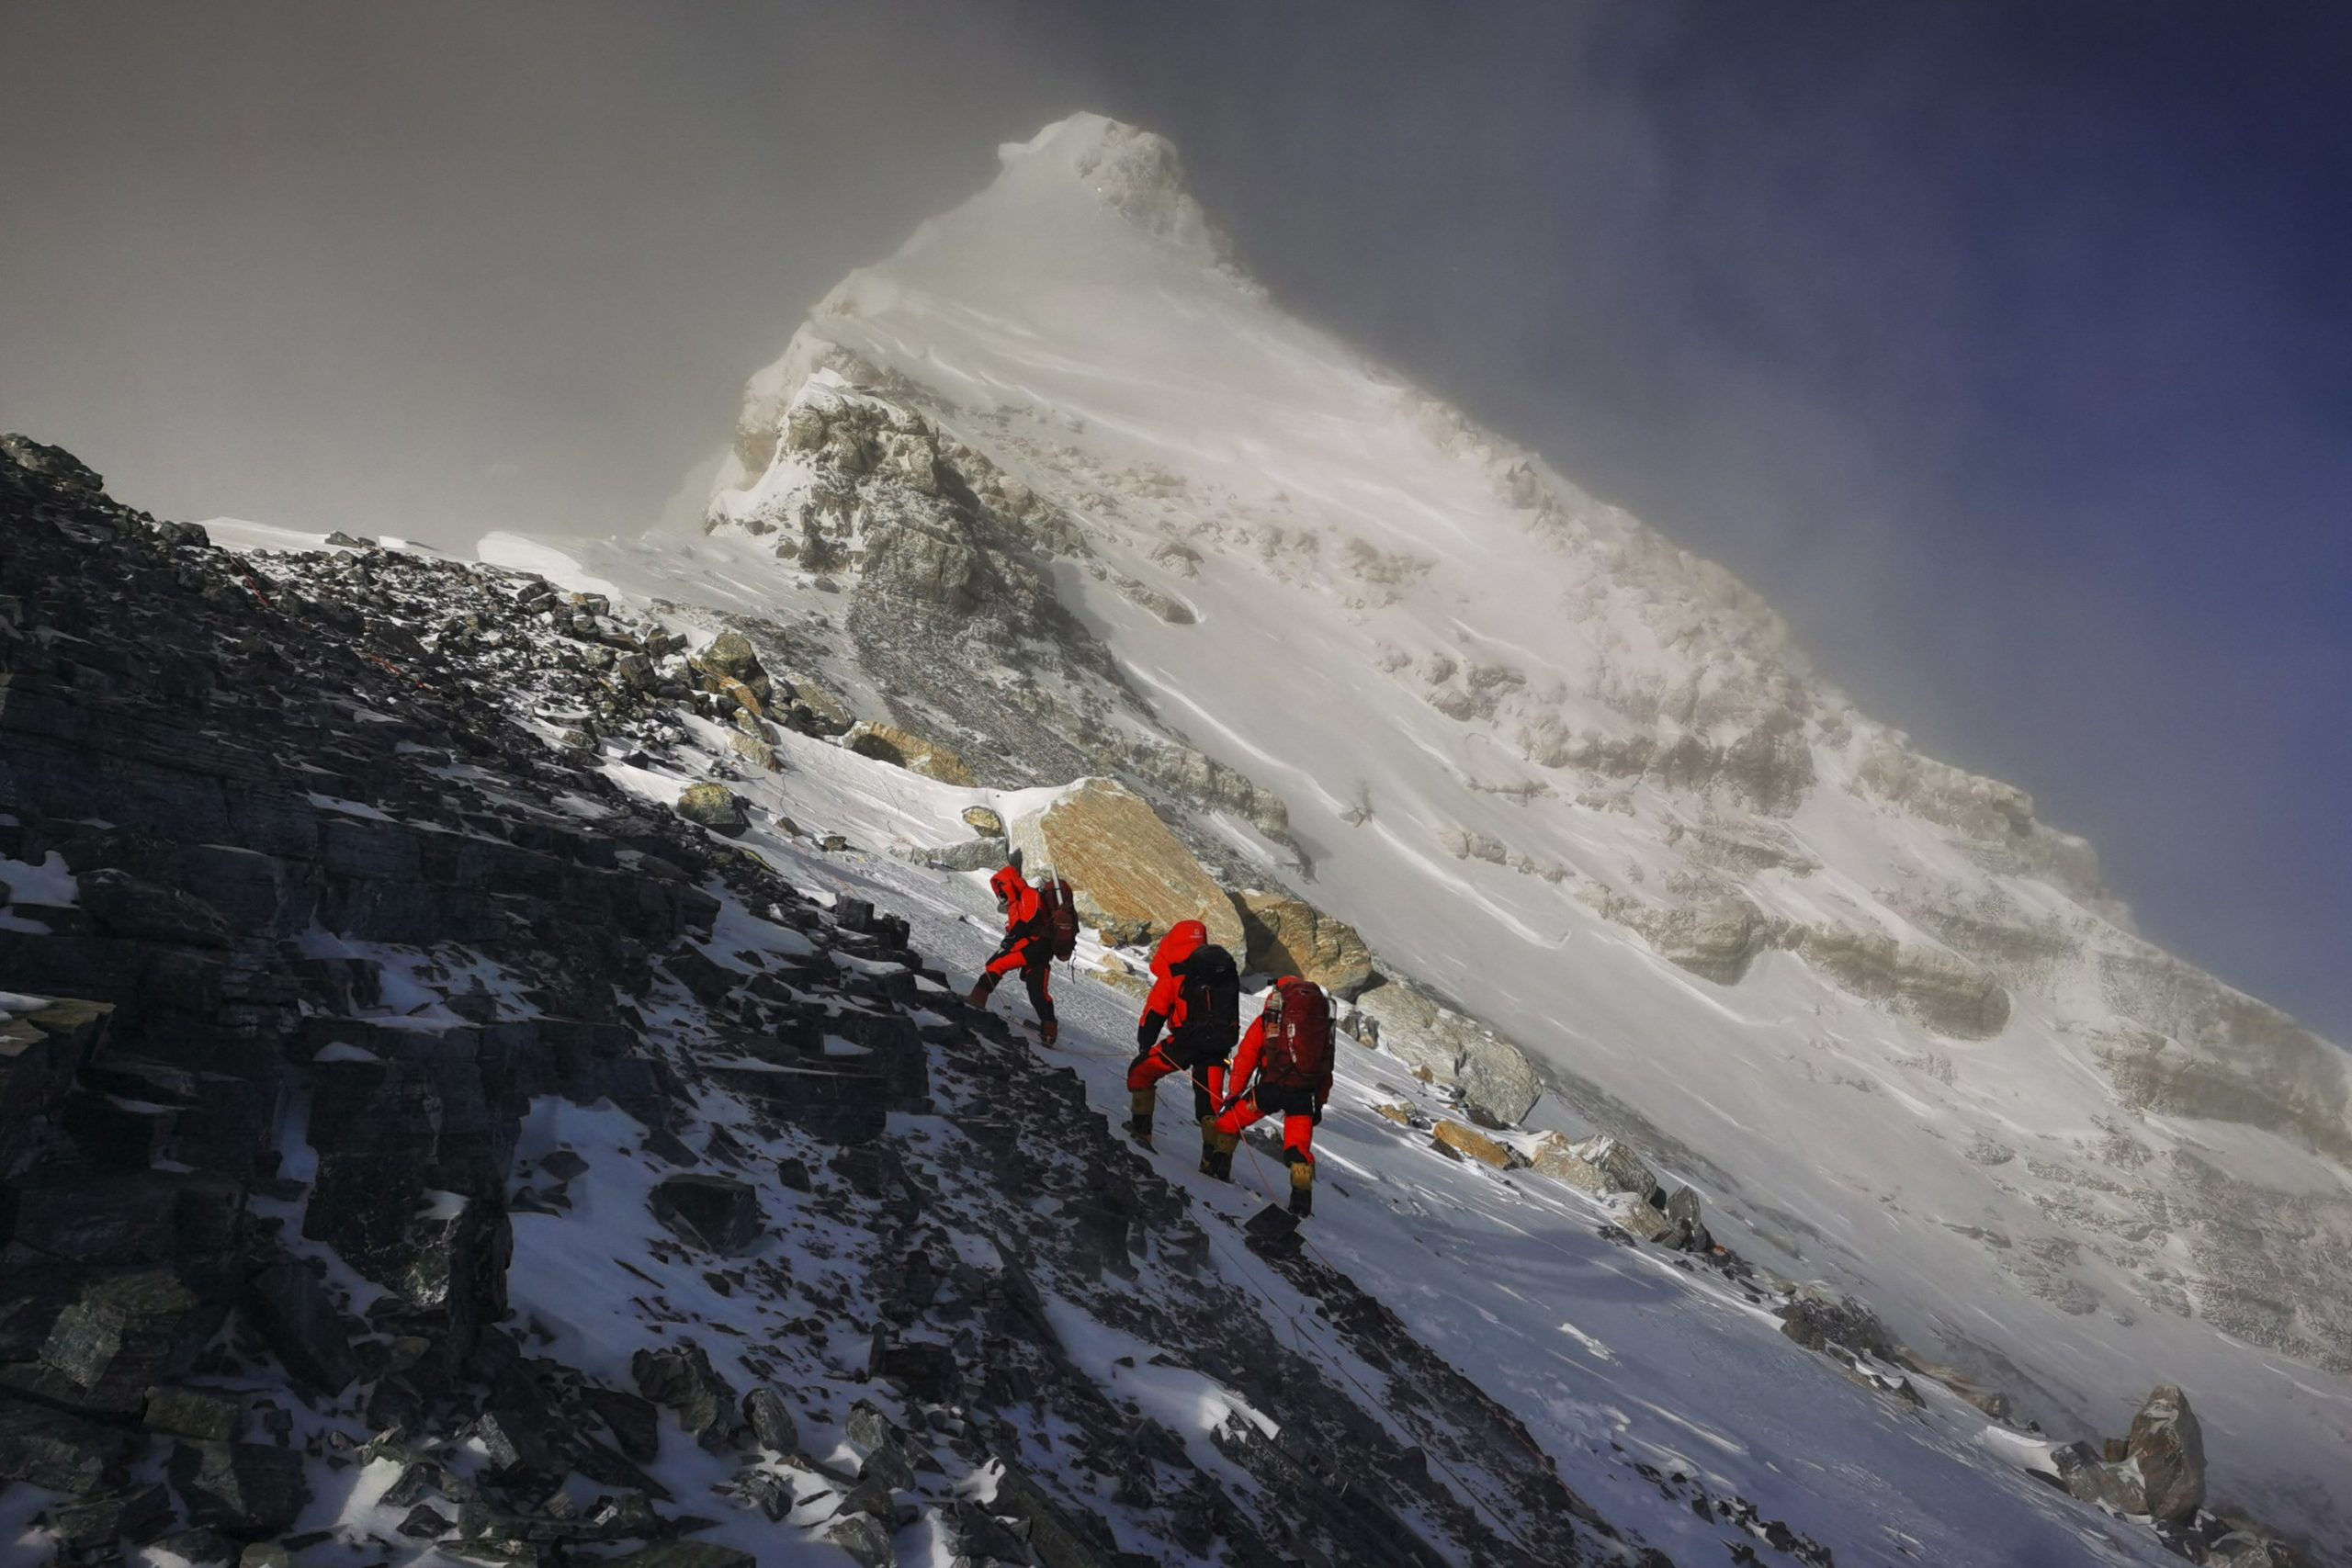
point(1212, 996)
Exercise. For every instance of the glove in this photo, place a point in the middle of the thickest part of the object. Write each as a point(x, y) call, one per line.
point(1147, 1029)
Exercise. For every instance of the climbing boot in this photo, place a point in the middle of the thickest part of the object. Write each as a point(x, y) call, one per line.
point(977, 997)
point(1140, 1104)
point(1302, 1187)
point(1216, 1150)
point(1049, 1031)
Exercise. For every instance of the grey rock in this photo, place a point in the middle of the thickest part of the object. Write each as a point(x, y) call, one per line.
point(865, 1538)
point(2167, 1446)
point(685, 1554)
point(1499, 1084)
point(302, 1324)
point(771, 1420)
point(140, 1513)
point(1819, 1324)
point(240, 1489)
point(681, 1381)
point(195, 1413)
point(125, 905)
point(65, 1453)
point(716, 1213)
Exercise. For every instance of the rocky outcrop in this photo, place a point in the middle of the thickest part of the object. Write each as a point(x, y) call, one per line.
point(2157, 1470)
point(1498, 1085)
point(1132, 878)
point(888, 743)
point(1289, 936)
point(1719, 938)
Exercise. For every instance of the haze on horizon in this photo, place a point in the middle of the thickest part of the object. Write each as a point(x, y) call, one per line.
point(2004, 351)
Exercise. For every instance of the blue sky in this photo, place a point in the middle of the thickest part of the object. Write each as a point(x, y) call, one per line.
point(2006, 348)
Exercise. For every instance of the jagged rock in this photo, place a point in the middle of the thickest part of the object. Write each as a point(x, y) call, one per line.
point(713, 806)
point(195, 1413)
point(771, 1421)
point(983, 821)
point(731, 654)
point(125, 1331)
point(1640, 1219)
point(681, 1381)
point(865, 1538)
point(137, 1512)
point(424, 1522)
point(1821, 1323)
point(1468, 1142)
point(1690, 1231)
point(302, 1324)
point(686, 1555)
point(888, 743)
point(635, 1423)
point(970, 854)
point(41, 1049)
point(1598, 1166)
point(127, 907)
point(1289, 936)
point(716, 1213)
point(240, 1489)
point(200, 1547)
point(1123, 865)
point(1499, 1083)
point(2168, 1447)
point(65, 1453)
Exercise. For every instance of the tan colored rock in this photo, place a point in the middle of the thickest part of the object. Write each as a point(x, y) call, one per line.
point(888, 743)
point(1471, 1144)
point(984, 822)
point(1120, 977)
point(1400, 1114)
point(1291, 936)
point(1129, 873)
point(754, 750)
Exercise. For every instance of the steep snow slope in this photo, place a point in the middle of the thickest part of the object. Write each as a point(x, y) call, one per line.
point(1564, 773)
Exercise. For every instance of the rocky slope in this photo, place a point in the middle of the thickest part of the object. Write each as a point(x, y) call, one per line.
point(1574, 788)
point(452, 1110)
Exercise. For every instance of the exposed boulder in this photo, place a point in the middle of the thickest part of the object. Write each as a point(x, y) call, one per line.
point(1289, 936)
point(1499, 1084)
point(1821, 1322)
point(716, 1213)
point(1127, 870)
point(1468, 1143)
point(970, 854)
point(713, 806)
point(2168, 1447)
point(240, 1489)
point(900, 748)
point(681, 1381)
point(984, 821)
point(770, 1418)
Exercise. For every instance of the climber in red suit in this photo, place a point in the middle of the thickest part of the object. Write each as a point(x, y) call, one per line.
point(1027, 947)
point(1282, 1069)
point(1196, 999)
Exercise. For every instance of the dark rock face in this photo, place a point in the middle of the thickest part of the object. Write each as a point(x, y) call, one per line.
point(713, 1213)
point(1820, 1324)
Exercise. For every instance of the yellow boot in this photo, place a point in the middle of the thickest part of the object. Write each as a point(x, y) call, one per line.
point(1302, 1187)
point(1216, 1150)
point(1140, 1105)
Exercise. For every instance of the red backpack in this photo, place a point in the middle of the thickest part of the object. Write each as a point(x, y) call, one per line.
point(1296, 1055)
point(1059, 913)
